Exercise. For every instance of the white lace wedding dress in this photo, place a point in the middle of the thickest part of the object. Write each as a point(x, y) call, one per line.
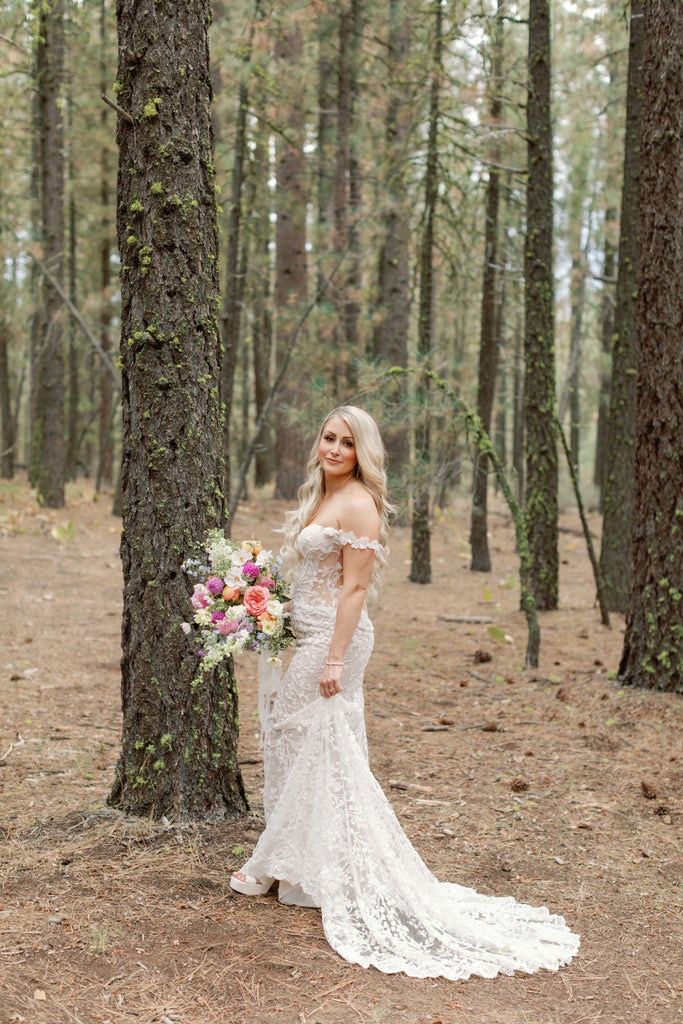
point(332, 839)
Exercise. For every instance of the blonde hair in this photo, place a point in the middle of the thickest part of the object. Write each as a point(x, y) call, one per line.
point(370, 471)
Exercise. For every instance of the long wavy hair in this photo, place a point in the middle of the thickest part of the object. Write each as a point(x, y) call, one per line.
point(370, 470)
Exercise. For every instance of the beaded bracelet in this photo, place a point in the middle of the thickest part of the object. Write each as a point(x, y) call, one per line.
point(339, 663)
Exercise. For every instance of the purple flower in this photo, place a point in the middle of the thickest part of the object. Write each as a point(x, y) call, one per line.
point(251, 571)
point(217, 616)
point(215, 585)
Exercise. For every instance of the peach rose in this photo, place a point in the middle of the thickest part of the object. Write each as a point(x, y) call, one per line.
point(256, 600)
point(230, 593)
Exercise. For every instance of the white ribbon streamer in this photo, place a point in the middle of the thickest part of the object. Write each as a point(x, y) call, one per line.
point(269, 677)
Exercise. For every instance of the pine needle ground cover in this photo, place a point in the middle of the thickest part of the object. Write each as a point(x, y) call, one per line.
point(553, 785)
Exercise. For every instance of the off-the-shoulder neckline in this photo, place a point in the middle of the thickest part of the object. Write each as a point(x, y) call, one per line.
point(343, 533)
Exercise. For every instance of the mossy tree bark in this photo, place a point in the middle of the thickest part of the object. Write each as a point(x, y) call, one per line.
point(653, 644)
point(617, 524)
point(539, 348)
point(179, 753)
point(48, 453)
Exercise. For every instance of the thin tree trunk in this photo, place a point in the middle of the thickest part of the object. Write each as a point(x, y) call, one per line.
point(539, 389)
point(617, 524)
point(105, 459)
point(47, 442)
point(73, 395)
point(488, 342)
point(7, 453)
point(291, 279)
point(231, 310)
point(518, 404)
point(260, 286)
point(421, 561)
point(392, 316)
point(606, 333)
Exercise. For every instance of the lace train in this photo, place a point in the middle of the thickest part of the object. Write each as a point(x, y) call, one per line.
point(333, 840)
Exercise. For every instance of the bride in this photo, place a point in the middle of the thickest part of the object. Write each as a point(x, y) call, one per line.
point(331, 838)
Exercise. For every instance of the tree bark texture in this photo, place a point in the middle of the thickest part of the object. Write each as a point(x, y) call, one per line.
point(539, 349)
point(392, 316)
point(606, 334)
point(7, 453)
point(617, 523)
point(234, 281)
point(105, 461)
point(47, 377)
point(488, 340)
point(653, 644)
point(260, 290)
point(421, 558)
point(179, 754)
point(291, 278)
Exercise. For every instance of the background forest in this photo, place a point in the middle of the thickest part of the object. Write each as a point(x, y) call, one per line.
point(429, 208)
point(218, 220)
point(321, 121)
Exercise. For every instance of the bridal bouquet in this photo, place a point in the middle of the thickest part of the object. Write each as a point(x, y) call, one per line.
point(238, 601)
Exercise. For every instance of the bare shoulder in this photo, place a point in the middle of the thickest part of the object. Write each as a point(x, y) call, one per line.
point(358, 513)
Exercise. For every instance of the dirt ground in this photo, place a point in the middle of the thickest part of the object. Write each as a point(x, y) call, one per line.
point(554, 785)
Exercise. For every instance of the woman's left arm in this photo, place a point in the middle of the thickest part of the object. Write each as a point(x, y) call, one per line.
point(357, 569)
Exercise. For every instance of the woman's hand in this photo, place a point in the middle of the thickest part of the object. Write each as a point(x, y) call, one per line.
point(330, 680)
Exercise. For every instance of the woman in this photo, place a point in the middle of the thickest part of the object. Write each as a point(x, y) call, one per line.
point(331, 837)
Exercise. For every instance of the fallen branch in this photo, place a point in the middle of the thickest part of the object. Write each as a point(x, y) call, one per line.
point(104, 356)
point(3, 759)
point(480, 620)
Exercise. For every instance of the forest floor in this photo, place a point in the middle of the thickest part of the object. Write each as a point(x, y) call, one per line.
point(554, 785)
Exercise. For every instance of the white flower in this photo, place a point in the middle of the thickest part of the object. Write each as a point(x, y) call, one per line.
point(234, 611)
point(274, 609)
point(234, 578)
point(202, 616)
point(186, 627)
point(271, 627)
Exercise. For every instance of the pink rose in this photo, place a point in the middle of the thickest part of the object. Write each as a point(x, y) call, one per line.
point(267, 582)
point(256, 600)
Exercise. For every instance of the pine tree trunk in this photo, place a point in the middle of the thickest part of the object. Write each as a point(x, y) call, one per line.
point(617, 524)
point(539, 349)
point(105, 460)
point(292, 446)
point(392, 316)
point(606, 334)
point(260, 288)
point(653, 644)
point(234, 281)
point(179, 755)
point(47, 442)
point(488, 341)
point(518, 404)
point(7, 454)
point(421, 559)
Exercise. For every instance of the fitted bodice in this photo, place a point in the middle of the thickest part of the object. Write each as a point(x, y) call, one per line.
point(320, 575)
